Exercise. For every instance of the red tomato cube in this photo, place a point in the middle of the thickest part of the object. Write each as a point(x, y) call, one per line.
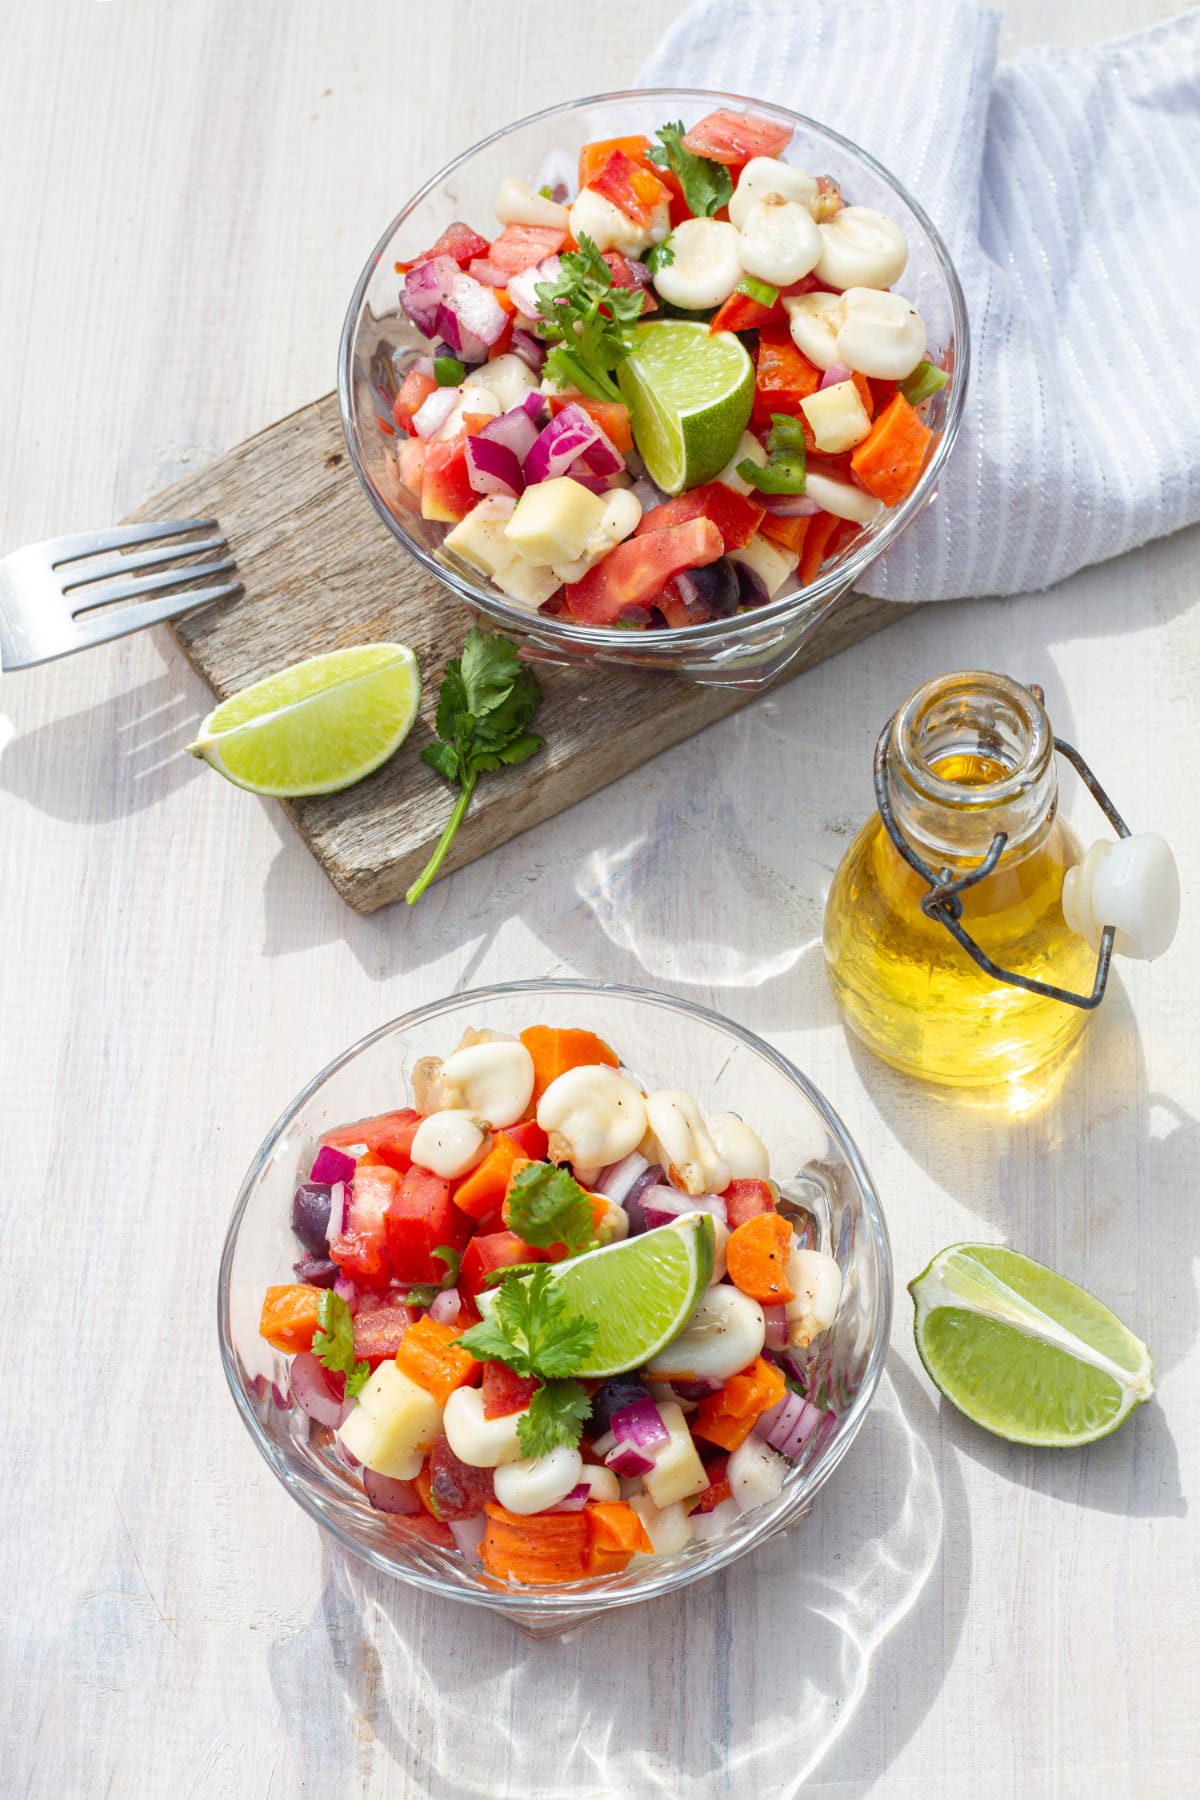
point(420, 1218)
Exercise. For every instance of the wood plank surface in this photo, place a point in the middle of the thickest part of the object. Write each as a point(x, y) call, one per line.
point(319, 570)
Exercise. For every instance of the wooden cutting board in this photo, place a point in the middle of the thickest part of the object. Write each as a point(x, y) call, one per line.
point(319, 570)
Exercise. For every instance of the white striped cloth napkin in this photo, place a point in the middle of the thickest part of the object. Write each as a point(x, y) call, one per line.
point(1066, 183)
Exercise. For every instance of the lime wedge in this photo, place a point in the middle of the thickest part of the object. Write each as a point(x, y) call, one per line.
point(1023, 1351)
point(689, 392)
point(640, 1293)
point(318, 726)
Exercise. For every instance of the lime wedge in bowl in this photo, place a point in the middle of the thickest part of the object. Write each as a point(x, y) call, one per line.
point(317, 726)
point(689, 391)
point(1024, 1352)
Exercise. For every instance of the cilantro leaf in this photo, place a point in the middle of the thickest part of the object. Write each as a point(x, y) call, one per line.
point(488, 1342)
point(495, 1276)
point(547, 1206)
point(707, 186)
point(333, 1342)
point(588, 320)
point(531, 1330)
point(556, 1414)
point(486, 704)
point(659, 256)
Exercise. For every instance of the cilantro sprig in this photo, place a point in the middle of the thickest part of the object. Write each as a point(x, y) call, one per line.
point(546, 1205)
point(786, 468)
point(333, 1342)
point(486, 704)
point(589, 322)
point(707, 186)
point(531, 1330)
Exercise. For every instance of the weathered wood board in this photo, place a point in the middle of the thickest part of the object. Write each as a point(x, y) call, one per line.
point(319, 570)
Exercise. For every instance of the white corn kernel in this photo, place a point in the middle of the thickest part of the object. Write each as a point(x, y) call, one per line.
point(706, 266)
point(622, 511)
point(842, 498)
point(816, 1284)
point(482, 1442)
point(722, 1337)
point(740, 1147)
point(611, 229)
point(765, 176)
point(533, 1483)
point(603, 1483)
point(749, 450)
point(880, 334)
point(813, 320)
point(668, 1527)
point(594, 1116)
point(553, 520)
point(508, 379)
point(519, 204)
point(755, 1474)
point(493, 1080)
point(779, 241)
point(450, 1144)
point(838, 417)
point(680, 1142)
point(860, 247)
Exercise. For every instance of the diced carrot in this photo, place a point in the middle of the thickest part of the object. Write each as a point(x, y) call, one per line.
point(614, 1534)
point(556, 1049)
point(788, 533)
point(483, 1190)
point(756, 1258)
point(890, 458)
point(821, 527)
point(746, 1198)
point(430, 1356)
point(289, 1317)
point(727, 1418)
point(537, 1549)
point(612, 416)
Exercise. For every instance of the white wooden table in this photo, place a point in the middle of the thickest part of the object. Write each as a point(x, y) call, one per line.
point(189, 188)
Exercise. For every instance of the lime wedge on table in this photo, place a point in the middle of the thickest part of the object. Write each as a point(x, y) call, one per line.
point(317, 726)
point(1023, 1351)
point(689, 392)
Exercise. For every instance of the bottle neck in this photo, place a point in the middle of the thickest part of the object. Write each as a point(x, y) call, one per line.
point(971, 755)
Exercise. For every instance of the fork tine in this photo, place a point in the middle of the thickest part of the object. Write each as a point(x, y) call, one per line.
point(85, 600)
point(104, 626)
point(125, 565)
point(90, 543)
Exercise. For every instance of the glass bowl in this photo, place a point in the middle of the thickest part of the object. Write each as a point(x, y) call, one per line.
point(668, 1043)
point(378, 342)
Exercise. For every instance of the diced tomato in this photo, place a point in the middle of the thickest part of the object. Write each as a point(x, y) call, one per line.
point(624, 275)
point(629, 186)
point(594, 156)
point(729, 137)
point(414, 391)
point(390, 1136)
point(746, 1199)
point(742, 313)
point(639, 568)
point(457, 241)
point(410, 460)
point(420, 1217)
point(446, 491)
point(882, 393)
point(504, 1392)
point(490, 275)
point(377, 1333)
point(530, 1136)
point(735, 516)
point(612, 416)
point(422, 1526)
point(718, 1485)
point(456, 1489)
point(362, 1249)
point(485, 1253)
point(521, 246)
point(783, 375)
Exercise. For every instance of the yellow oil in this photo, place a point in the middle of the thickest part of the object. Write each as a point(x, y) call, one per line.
point(915, 997)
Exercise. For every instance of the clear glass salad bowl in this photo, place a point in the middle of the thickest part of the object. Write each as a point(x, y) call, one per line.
point(665, 1043)
point(378, 343)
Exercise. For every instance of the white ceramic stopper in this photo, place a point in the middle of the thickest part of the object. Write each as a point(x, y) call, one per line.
point(1132, 884)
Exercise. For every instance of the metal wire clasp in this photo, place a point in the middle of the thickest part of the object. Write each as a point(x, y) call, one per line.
point(942, 902)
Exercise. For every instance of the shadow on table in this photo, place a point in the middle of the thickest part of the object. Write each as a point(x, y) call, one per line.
point(741, 1685)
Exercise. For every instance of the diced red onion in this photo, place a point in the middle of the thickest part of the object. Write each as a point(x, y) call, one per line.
point(422, 365)
point(471, 319)
point(629, 1461)
point(805, 1426)
point(566, 436)
point(332, 1165)
point(446, 1308)
point(493, 468)
point(426, 286)
point(318, 1391)
point(616, 1181)
point(833, 374)
point(602, 457)
point(640, 1424)
point(789, 506)
point(468, 1534)
point(603, 1444)
point(789, 1424)
point(522, 288)
point(669, 1203)
point(595, 484)
point(388, 1495)
point(316, 1271)
point(777, 1327)
point(633, 1200)
point(529, 349)
point(434, 410)
point(575, 1501)
point(347, 1456)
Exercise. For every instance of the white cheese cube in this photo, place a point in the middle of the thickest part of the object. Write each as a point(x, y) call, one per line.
point(838, 417)
point(678, 1473)
point(622, 512)
point(479, 538)
point(527, 585)
point(394, 1425)
point(553, 520)
point(771, 562)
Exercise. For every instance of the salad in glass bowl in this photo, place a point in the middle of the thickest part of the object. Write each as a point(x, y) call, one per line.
point(676, 380)
point(552, 1330)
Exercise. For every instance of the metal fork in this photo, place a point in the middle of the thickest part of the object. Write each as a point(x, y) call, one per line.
point(42, 593)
